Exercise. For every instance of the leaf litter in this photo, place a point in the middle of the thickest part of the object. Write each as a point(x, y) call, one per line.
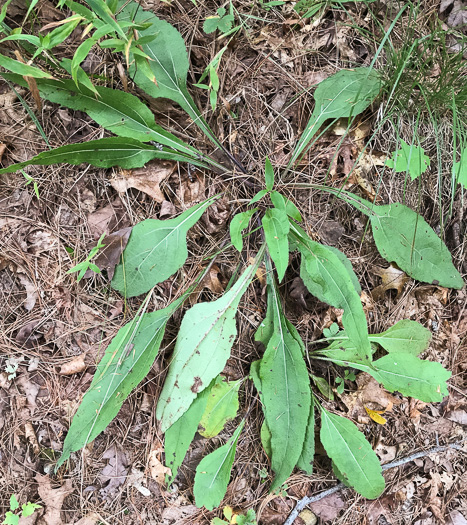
point(55, 327)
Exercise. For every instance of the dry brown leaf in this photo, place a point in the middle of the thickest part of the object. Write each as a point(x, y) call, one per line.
point(157, 470)
point(299, 292)
point(329, 507)
point(52, 499)
point(106, 219)
point(392, 279)
point(31, 292)
point(114, 472)
point(167, 210)
point(2, 150)
point(90, 519)
point(146, 179)
point(456, 518)
point(109, 256)
point(212, 281)
point(74, 366)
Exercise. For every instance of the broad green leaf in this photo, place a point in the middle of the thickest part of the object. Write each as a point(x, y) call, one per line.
point(327, 278)
point(348, 266)
point(345, 94)
point(126, 362)
point(404, 237)
point(155, 251)
point(411, 376)
point(168, 62)
point(222, 406)
point(406, 373)
point(203, 346)
point(292, 210)
point(406, 336)
point(103, 153)
point(15, 66)
point(268, 174)
point(276, 228)
point(459, 169)
point(11, 519)
point(179, 436)
point(28, 509)
point(213, 473)
point(409, 159)
point(117, 111)
point(352, 454)
point(305, 461)
point(286, 394)
point(278, 200)
point(237, 225)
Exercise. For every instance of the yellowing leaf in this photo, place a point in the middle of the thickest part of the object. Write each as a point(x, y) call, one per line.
point(375, 416)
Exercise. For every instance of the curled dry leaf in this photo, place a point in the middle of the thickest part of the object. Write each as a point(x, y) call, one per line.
point(146, 179)
point(156, 468)
point(52, 499)
point(30, 434)
point(106, 219)
point(392, 279)
point(212, 281)
point(74, 366)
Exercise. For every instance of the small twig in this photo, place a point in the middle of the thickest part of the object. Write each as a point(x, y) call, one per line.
point(307, 500)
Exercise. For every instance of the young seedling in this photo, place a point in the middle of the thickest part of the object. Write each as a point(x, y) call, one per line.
point(86, 265)
point(13, 516)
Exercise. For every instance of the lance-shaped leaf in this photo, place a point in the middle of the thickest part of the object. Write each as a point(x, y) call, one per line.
point(237, 225)
point(276, 229)
point(327, 278)
point(15, 66)
point(286, 394)
point(117, 111)
point(168, 63)
point(404, 237)
point(345, 94)
point(126, 362)
point(406, 336)
point(203, 346)
point(305, 461)
point(180, 435)
point(222, 406)
point(155, 251)
point(406, 373)
point(213, 473)
point(350, 451)
point(103, 153)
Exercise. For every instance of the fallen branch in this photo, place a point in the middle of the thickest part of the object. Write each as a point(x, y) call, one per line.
point(397, 463)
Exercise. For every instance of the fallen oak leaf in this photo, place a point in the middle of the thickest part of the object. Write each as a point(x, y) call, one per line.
point(52, 499)
point(392, 279)
point(146, 179)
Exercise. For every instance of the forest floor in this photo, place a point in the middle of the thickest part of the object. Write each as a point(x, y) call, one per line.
point(53, 329)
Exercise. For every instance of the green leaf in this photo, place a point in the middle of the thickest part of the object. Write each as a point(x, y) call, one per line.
point(11, 519)
point(15, 66)
point(13, 502)
point(276, 228)
point(348, 266)
point(269, 174)
point(102, 10)
point(222, 406)
point(327, 278)
point(459, 169)
point(258, 196)
point(27, 509)
point(345, 94)
point(352, 454)
point(126, 362)
point(103, 153)
point(117, 111)
point(213, 473)
point(292, 210)
point(203, 345)
point(155, 251)
point(406, 336)
point(80, 54)
point(406, 373)
point(404, 237)
point(323, 386)
point(180, 435)
point(222, 22)
point(285, 394)
point(305, 461)
point(237, 225)
point(278, 200)
point(409, 158)
point(265, 436)
point(411, 376)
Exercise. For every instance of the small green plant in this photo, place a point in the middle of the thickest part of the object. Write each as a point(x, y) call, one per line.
point(350, 376)
point(14, 514)
point(211, 72)
point(238, 519)
point(31, 180)
point(86, 265)
point(409, 159)
point(157, 249)
point(221, 21)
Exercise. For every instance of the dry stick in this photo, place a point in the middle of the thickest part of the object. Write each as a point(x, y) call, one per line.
point(307, 500)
